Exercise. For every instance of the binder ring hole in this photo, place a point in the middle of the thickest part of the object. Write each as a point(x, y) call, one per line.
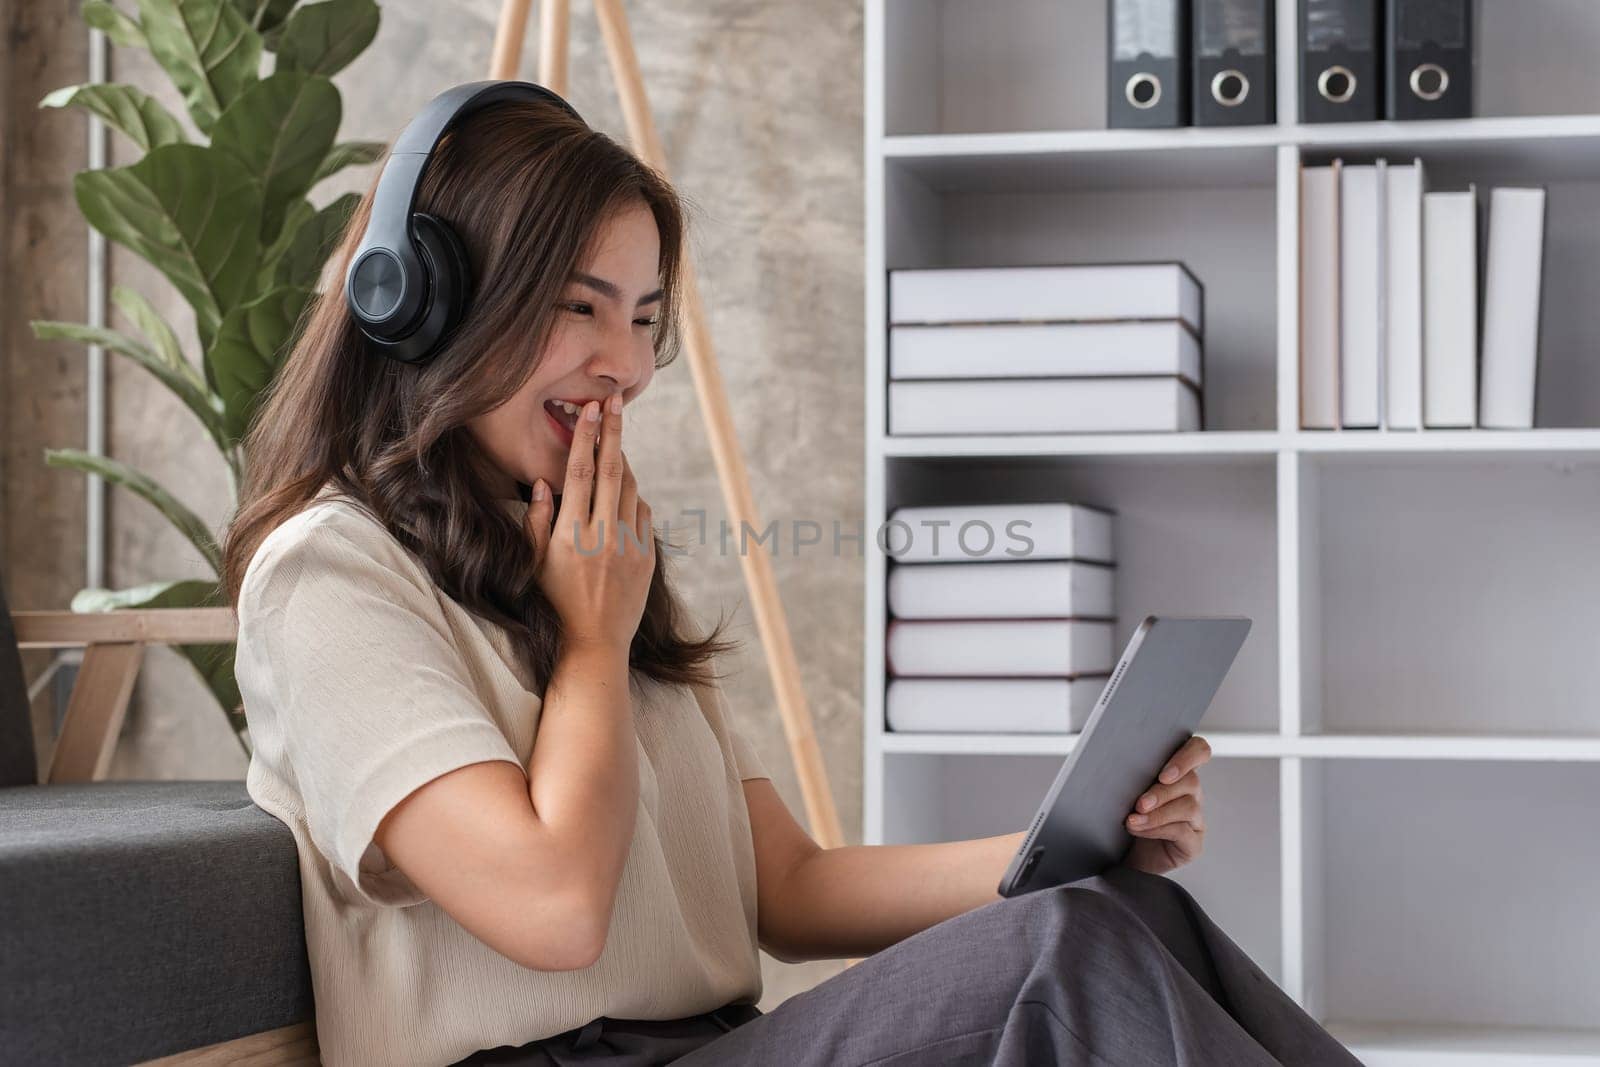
point(1143, 90)
point(1429, 80)
point(1230, 87)
point(1337, 84)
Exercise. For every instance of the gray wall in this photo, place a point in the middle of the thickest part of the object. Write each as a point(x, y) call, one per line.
point(763, 138)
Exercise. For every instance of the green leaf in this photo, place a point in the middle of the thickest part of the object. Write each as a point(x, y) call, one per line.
point(207, 49)
point(187, 593)
point(146, 488)
point(248, 350)
point(323, 38)
point(214, 663)
point(301, 253)
point(193, 213)
point(265, 15)
point(279, 130)
point(206, 408)
point(120, 28)
point(349, 154)
point(148, 321)
point(126, 109)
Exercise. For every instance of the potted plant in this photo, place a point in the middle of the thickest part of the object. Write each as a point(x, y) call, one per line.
point(227, 222)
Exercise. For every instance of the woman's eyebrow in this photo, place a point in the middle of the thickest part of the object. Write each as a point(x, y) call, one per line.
point(602, 286)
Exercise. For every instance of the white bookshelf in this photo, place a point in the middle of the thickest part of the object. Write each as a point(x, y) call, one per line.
point(1407, 775)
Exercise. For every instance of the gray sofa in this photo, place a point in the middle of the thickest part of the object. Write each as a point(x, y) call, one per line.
point(141, 919)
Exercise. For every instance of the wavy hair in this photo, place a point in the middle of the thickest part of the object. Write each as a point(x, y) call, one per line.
point(527, 187)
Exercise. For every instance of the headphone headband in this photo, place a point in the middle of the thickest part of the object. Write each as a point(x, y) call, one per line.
point(398, 286)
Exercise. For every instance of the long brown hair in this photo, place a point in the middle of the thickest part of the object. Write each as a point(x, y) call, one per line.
point(527, 187)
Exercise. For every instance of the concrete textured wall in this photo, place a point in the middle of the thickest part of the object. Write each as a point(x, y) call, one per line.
point(763, 138)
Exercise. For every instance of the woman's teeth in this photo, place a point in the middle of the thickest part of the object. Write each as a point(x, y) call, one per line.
point(562, 407)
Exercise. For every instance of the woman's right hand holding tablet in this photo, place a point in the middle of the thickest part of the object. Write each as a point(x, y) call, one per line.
point(595, 566)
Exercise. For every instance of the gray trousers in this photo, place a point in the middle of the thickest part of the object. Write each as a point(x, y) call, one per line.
point(1120, 969)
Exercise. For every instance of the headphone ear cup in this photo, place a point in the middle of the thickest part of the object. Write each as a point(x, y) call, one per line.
point(449, 276)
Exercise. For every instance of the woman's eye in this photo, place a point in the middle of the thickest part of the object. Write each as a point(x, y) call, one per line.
point(582, 309)
point(645, 322)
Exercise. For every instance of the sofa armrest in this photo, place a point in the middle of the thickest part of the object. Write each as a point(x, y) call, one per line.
point(156, 626)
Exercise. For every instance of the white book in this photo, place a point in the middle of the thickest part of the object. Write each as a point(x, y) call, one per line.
point(1402, 353)
point(1043, 405)
point(1360, 294)
point(1064, 293)
point(991, 705)
point(1512, 277)
point(1450, 308)
point(1319, 297)
point(1044, 350)
point(1046, 589)
point(970, 533)
point(999, 647)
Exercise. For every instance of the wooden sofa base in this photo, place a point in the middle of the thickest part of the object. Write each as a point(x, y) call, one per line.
point(295, 1045)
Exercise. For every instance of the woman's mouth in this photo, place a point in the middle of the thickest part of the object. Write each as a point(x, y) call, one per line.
point(563, 418)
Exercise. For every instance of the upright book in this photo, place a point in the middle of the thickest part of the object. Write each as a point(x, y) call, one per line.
point(1402, 351)
point(1361, 295)
point(1341, 61)
point(1319, 296)
point(1148, 68)
point(1430, 59)
point(1512, 278)
point(1235, 63)
point(1450, 308)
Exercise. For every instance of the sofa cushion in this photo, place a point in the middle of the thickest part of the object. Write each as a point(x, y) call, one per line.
point(144, 918)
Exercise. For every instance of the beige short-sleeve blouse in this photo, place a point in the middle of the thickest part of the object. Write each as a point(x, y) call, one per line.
point(362, 681)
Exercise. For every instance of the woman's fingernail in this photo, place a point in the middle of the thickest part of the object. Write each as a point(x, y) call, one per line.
point(1169, 774)
point(1136, 820)
point(1147, 802)
point(616, 404)
point(591, 411)
point(538, 489)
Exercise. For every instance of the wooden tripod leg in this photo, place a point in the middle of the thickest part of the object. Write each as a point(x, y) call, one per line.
point(770, 619)
point(554, 33)
point(508, 34)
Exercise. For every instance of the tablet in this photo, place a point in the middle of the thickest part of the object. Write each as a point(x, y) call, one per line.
point(1160, 688)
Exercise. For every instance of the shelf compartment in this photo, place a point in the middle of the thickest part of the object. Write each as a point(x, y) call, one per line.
point(1454, 895)
point(957, 797)
point(1567, 386)
point(1226, 237)
point(1453, 593)
point(1193, 536)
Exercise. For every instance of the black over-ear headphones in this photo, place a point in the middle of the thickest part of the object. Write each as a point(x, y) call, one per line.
point(409, 279)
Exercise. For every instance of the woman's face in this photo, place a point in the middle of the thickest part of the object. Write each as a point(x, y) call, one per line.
point(600, 345)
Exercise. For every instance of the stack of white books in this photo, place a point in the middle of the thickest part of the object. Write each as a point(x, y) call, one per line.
point(1088, 348)
point(1001, 617)
point(1389, 301)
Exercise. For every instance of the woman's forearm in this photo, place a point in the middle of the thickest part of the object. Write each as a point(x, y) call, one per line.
point(857, 899)
point(583, 776)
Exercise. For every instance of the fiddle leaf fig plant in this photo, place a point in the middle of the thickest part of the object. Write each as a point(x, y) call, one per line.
point(227, 222)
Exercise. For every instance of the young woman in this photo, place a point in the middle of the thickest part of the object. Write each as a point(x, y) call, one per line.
point(529, 827)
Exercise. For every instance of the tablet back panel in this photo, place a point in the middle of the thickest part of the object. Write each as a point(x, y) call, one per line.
point(1161, 687)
